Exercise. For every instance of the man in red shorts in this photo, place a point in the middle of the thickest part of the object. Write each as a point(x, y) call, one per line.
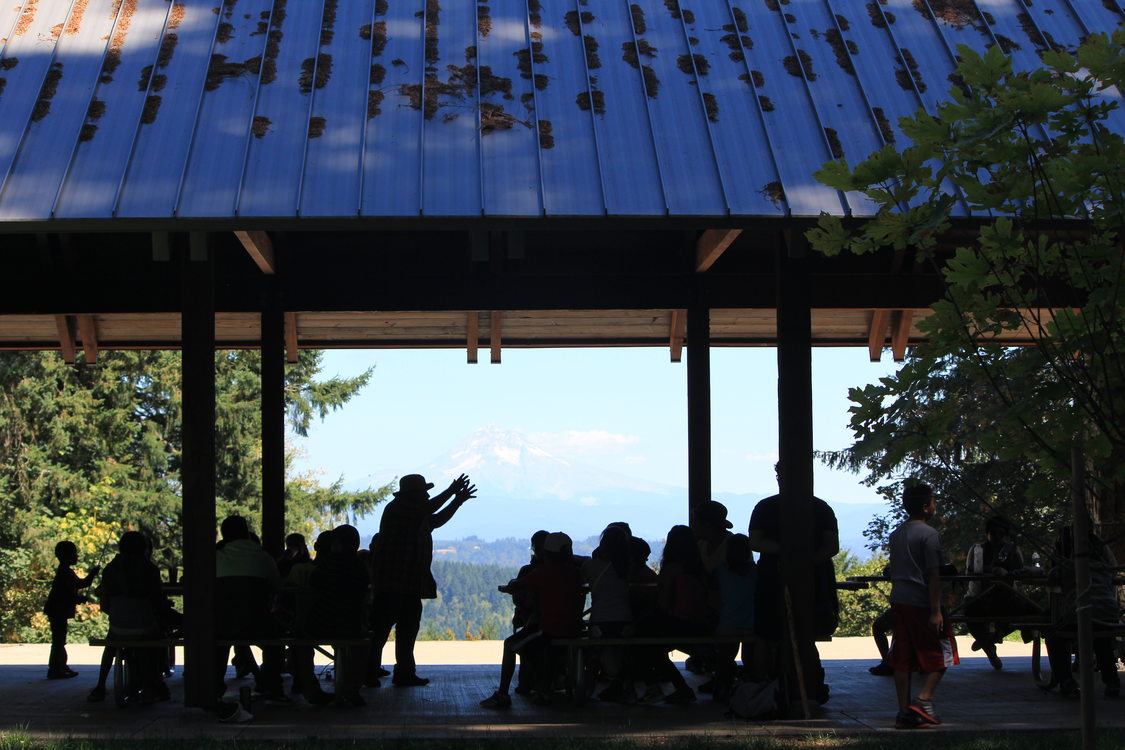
point(923, 638)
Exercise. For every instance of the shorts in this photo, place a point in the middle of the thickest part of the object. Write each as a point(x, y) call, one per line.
point(916, 647)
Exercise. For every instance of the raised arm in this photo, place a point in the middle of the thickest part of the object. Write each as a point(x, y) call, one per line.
point(461, 495)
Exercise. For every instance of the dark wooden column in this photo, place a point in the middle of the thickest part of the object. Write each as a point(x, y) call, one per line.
point(273, 420)
point(198, 471)
point(699, 403)
point(794, 399)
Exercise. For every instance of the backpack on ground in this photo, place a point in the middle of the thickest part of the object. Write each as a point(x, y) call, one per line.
point(755, 700)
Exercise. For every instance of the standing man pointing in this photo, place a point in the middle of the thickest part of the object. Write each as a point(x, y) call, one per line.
point(401, 564)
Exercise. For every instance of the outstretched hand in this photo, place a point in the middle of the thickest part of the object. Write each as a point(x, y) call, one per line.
point(466, 492)
point(459, 483)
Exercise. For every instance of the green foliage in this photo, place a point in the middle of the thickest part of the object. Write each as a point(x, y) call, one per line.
point(468, 606)
point(991, 426)
point(91, 450)
point(858, 609)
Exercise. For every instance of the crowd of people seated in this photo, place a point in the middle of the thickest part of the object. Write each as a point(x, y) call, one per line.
point(706, 586)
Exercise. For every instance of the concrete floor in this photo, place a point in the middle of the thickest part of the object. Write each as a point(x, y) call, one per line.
point(973, 696)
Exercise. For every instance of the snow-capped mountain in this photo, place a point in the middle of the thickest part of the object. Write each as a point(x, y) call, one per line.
point(522, 487)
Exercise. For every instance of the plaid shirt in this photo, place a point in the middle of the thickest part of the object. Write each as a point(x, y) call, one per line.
point(406, 547)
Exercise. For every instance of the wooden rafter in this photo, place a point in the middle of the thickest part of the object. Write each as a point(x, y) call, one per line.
point(676, 332)
point(260, 247)
point(900, 336)
point(877, 333)
point(711, 245)
point(472, 335)
point(65, 326)
point(88, 332)
point(494, 335)
point(291, 337)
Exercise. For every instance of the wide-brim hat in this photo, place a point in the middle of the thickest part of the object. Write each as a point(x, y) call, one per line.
point(412, 484)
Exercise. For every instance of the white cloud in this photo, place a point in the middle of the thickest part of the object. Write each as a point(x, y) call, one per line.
point(588, 500)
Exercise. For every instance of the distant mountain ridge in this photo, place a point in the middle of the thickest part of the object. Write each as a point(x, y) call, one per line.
point(523, 487)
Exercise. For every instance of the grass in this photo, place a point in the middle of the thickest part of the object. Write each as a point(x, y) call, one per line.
point(915, 740)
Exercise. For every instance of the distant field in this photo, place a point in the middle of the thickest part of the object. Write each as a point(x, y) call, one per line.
point(912, 740)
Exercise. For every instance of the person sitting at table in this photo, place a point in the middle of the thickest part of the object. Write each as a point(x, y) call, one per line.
point(556, 591)
point(611, 616)
point(1060, 641)
point(996, 556)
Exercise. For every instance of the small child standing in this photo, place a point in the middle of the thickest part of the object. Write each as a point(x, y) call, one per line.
point(61, 604)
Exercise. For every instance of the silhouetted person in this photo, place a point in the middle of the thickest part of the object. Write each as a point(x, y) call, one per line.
point(1061, 641)
point(296, 551)
point(997, 556)
point(607, 572)
point(735, 580)
point(769, 610)
point(61, 605)
point(712, 530)
point(246, 582)
point(340, 585)
point(402, 563)
point(555, 588)
point(131, 595)
point(681, 598)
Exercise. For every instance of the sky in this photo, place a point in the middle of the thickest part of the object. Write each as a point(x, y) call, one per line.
point(624, 410)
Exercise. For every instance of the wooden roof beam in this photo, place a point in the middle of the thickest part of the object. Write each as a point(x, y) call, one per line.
point(877, 334)
point(291, 337)
point(900, 336)
point(65, 326)
point(494, 335)
point(676, 333)
point(472, 335)
point(260, 248)
point(88, 332)
point(711, 245)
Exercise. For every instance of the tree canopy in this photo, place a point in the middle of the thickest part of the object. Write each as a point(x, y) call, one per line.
point(1035, 161)
point(91, 450)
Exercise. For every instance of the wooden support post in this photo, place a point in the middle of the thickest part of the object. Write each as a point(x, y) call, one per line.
point(495, 334)
point(472, 336)
point(67, 347)
point(273, 421)
point(1080, 552)
point(795, 433)
point(88, 332)
point(699, 403)
point(677, 330)
point(198, 473)
point(291, 351)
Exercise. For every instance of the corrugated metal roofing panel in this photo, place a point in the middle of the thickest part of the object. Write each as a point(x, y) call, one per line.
point(493, 107)
point(392, 176)
point(157, 162)
point(511, 175)
point(451, 165)
point(48, 142)
point(221, 137)
point(795, 130)
point(275, 162)
point(617, 97)
point(737, 127)
point(331, 184)
point(100, 156)
point(32, 77)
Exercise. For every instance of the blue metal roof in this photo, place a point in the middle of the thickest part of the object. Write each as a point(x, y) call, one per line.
point(395, 108)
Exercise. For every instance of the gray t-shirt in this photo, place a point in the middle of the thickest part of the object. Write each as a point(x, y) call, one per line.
point(914, 549)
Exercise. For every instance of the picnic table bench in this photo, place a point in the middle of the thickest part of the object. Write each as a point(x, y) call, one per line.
point(124, 645)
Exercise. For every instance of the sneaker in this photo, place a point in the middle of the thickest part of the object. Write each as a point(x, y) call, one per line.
point(541, 698)
point(233, 713)
point(653, 694)
point(62, 674)
point(925, 711)
point(680, 697)
point(409, 681)
point(320, 698)
point(350, 700)
point(994, 660)
point(97, 695)
point(882, 669)
point(380, 672)
point(909, 720)
point(497, 700)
